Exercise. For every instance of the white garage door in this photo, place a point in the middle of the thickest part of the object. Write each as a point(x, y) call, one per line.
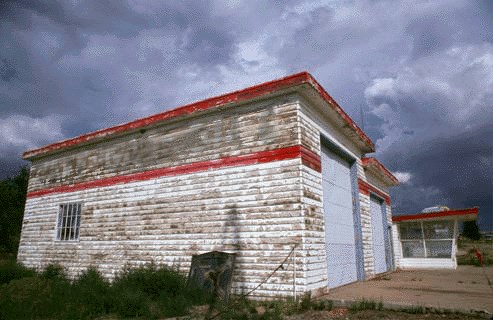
point(378, 236)
point(338, 216)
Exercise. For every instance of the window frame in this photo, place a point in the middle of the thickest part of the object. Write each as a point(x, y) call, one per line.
point(67, 228)
point(423, 239)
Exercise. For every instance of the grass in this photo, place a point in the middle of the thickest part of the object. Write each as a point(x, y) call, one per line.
point(148, 292)
point(244, 309)
point(366, 305)
point(469, 246)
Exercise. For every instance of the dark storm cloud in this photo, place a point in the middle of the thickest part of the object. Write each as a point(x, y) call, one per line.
point(444, 100)
point(456, 172)
point(89, 15)
point(7, 70)
point(209, 47)
point(479, 17)
point(430, 34)
point(91, 63)
point(416, 75)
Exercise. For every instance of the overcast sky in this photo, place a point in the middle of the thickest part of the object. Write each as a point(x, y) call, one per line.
point(416, 75)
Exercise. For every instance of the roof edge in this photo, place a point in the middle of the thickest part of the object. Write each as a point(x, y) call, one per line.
point(379, 167)
point(246, 94)
point(448, 213)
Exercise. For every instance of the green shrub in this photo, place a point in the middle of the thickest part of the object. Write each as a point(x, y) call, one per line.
point(306, 302)
point(154, 292)
point(30, 297)
point(468, 259)
point(131, 302)
point(146, 292)
point(53, 271)
point(152, 281)
point(91, 295)
point(324, 305)
point(11, 270)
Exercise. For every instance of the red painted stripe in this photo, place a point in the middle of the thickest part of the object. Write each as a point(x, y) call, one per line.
point(341, 112)
point(259, 157)
point(448, 213)
point(236, 96)
point(367, 162)
point(310, 159)
point(366, 188)
point(233, 97)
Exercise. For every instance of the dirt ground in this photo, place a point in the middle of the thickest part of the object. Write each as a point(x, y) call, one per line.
point(374, 314)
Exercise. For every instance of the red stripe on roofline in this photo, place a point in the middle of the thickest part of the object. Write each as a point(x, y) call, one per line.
point(447, 213)
point(365, 188)
point(340, 111)
point(381, 167)
point(259, 157)
point(236, 96)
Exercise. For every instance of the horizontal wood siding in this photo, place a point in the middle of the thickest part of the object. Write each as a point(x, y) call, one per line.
point(167, 220)
point(254, 210)
point(233, 132)
point(315, 264)
point(397, 245)
point(428, 263)
point(366, 220)
point(314, 124)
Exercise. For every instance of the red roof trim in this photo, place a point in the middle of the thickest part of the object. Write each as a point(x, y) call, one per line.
point(233, 97)
point(372, 162)
point(365, 188)
point(341, 112)
point(431, 215)
point(308, 158)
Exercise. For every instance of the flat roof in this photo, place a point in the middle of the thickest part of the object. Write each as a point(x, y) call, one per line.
point(461, 214)
point(302, 82)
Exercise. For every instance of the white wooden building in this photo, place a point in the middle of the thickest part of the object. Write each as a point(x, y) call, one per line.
point(255, 172)
point(429, 240)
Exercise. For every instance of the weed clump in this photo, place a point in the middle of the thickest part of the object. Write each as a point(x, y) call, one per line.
point(366, 305)
point(11, 270)
point(147, 292)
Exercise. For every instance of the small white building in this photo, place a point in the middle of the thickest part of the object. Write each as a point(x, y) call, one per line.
point(256, 172)
point(429, 239)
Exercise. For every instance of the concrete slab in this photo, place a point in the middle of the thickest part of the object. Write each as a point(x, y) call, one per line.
point(466, 288)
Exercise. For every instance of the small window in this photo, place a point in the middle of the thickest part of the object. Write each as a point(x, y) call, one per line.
point(427, 239)
point(68, 224)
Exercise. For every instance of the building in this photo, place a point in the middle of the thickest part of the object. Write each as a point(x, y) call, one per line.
point(429, 240)
point(260, 172)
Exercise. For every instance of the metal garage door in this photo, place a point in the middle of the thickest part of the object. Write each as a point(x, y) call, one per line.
point(338, 216)
point(378, 236)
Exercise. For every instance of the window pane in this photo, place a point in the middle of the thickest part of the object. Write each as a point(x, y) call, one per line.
point(439, 248)
point(65, 222)
point(60, 219)
point(413, 249)
point(77, 226)
point(70, 235)
point(69, 221)
point(438, 229)
point(411, 230)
